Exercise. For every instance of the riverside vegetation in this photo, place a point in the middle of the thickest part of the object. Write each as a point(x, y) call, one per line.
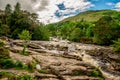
point(91, 27)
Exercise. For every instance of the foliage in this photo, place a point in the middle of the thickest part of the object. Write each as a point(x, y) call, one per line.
point(25, 35)
point(41, 33)
point(5, 60)
point(9, 75)
point(16, 21)
point(116, 45)
point(76, 35)
point(95, 73)
point(25, 77)
point(8, 10)
point(92, 15)
point(103, 26)
point(31, 66)
point(4, 30)
point(106, 30)
point(89, 32)
point(6, 63)
point(20, 65)
point(4, 54)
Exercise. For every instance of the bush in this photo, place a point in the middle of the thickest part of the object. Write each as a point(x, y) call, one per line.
point(95, 73)
point(10, 76)
point(116, 45)
point(41, 33)
point(31, 66)
point(25, 77)
point(76, 35)
point(6, 63)
point(4, 54)
point(20, 65)
point(1, 44)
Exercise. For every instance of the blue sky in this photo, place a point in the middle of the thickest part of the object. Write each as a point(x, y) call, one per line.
point(104, 4)
point(96, 5)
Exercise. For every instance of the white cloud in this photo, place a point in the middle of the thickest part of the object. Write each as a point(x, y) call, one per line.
point(48, 15)
point(46, 9)
point(117, 6)
point(110, 4)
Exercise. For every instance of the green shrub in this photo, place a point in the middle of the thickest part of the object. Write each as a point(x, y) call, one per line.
point(1, 44)
point(10, 76)
point(25, 77)
point(95, 73)
point(31, 66)
point(23, 52)
point(116, 45)
point(4, 54)
point(20, 65)
point(6, 63)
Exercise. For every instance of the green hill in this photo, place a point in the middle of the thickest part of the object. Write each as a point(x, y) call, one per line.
point(92, 15)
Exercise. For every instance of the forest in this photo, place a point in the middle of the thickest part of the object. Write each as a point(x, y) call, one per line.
point(104, 31)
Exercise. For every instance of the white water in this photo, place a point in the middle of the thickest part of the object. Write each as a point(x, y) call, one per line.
point(87, 58)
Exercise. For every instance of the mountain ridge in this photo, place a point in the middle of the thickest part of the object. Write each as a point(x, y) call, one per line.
point(92, 15)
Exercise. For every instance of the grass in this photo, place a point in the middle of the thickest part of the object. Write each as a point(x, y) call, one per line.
point(25, 77)
point(91, 15)
point(96, 73)
point(6, 63)
point(9, 75)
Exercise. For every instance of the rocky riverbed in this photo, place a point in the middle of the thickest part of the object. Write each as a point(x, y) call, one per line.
point(64, 60)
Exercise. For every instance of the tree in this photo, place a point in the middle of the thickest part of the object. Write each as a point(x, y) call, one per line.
point(41, 33)
point(8, 10)
point(116, 45)
point(25, 35)
point(4, 30)
point(89, 32)
point(106, 29)
point(76, 35)
point(17, 9)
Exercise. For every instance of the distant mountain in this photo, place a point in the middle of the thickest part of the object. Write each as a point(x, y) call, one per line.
point(92, 15)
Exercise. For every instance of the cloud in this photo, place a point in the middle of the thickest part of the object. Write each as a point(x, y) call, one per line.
point(117, 6)
point(53, 13)
point(48, 10)
point(110, 4)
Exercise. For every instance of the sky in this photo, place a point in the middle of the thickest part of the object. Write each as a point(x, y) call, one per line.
point(50, 11)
